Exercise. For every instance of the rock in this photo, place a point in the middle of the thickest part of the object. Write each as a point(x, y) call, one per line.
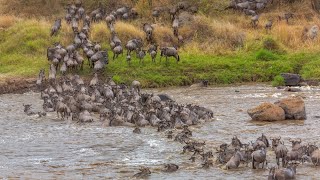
point(267, 112)
point(312, 82)
point(293, 107)
point(292, 89)
point(291, 79)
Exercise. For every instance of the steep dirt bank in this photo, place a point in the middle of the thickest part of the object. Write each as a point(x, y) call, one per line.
point(17, 85)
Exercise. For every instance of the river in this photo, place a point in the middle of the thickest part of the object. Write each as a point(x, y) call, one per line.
point(48, 148)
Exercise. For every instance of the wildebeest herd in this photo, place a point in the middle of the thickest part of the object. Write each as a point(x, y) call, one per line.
point(110, 104)
point(254, 9)
point(256, 153)
point(118, 105)
point(70, 58)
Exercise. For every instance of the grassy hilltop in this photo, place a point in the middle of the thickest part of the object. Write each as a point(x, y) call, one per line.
point(220, 45)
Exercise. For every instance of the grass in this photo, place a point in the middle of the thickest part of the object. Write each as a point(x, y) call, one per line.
point(278, 81)
point(24, 45)
point(23, 50)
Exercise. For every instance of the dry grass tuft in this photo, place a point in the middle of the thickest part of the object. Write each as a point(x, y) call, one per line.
point(164, 36)
point(128, 31)
point(100, 33)
point(7, 21)
point(215, 36)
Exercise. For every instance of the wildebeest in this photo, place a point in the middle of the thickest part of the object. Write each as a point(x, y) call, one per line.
point(110, 19)
point(286, 16)
point(141, 55)
point(268, 25)
point(280, 150)
point(144, 172)
point(169, 52)
point(148, 29)
point(116, 51)
point(115, 39)
point(100, 60)
point(234, 162)
point(27, 109)
point(153, 55)
point(259, 156)
point(175, 26)
point(255, 21)
point(63, 110)
point(133, 44)
point(97, 14)
point(171, 167)
point(41, 78)
point(136, 85)
point(75, 25)
point(285, 173)
point(56, 27)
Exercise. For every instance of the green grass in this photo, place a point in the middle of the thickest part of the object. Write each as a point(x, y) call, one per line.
point(23, 53)
point(278, 81)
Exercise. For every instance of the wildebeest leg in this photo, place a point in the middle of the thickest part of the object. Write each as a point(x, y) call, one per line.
point(114, 55)
point(177, 57)
point(253, 167)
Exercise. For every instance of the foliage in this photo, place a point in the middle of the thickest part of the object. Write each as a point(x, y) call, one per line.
point(278, 81)
point(266, 55)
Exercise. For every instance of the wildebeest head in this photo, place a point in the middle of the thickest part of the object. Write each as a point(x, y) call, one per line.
point(264, 139)
point(236, 142)
point(295, 141)
point(275, 142)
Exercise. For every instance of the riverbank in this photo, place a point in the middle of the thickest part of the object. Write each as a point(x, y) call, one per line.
point(221, 51)
point(191, 69)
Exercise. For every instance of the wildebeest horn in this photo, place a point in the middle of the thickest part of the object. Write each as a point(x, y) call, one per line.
point(279, 137)
point(290, 140)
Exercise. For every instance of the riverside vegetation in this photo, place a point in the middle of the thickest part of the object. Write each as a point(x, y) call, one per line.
point(218, 45)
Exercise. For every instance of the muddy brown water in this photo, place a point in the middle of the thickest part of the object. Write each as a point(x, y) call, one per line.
point(47, 148)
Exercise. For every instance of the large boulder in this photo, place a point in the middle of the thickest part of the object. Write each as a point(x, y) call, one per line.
point(291, 79)
point(293, 107)
point(267, 112)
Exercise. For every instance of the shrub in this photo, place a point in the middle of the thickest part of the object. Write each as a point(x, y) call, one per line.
point(271, 45)
point(266, 55)
point(278, 81)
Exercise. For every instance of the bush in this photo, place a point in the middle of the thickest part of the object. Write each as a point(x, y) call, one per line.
point(278, 81)
point(271, 45)
point(266, 55)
